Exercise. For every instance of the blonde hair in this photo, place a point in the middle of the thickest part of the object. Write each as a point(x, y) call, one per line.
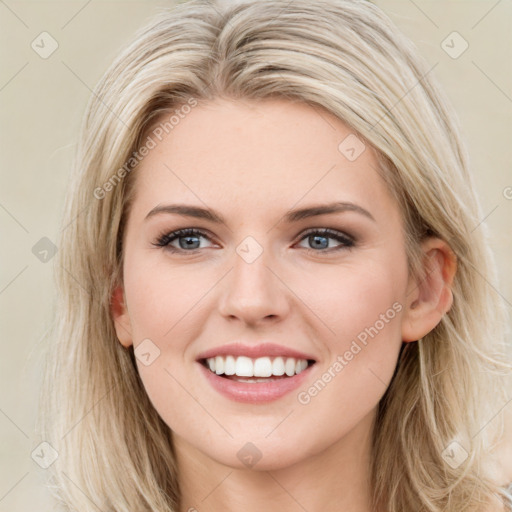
point(115, 452)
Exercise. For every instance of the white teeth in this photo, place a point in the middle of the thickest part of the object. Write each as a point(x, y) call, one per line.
point(229, 365)
point(219, 365)
point(263, 367)
point(242, 366)
point(278, 366)
point(289, 366)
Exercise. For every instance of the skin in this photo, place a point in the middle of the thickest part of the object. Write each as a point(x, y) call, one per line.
point(252, 162)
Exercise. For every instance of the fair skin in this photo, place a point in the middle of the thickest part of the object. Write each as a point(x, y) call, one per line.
point(252, 162)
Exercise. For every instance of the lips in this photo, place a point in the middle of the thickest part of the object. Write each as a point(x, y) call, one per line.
point(254, 373)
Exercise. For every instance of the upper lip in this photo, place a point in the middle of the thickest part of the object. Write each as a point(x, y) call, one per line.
point(254, 351)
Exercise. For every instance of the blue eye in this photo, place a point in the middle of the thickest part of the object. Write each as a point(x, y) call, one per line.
point(186, 238)
point(189, 240)
point(319, 239)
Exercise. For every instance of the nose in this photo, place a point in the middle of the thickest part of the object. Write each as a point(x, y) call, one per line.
point(253, 293)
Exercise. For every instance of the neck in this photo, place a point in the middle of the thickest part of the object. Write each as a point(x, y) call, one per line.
point(334, 479)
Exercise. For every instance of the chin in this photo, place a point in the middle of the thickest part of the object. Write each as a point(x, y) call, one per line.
point(264, 455)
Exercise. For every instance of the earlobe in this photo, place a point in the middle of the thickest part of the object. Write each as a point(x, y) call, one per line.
point(120, 316)
point(430, 298)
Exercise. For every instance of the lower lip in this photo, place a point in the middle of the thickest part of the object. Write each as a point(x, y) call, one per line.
point(254, 392)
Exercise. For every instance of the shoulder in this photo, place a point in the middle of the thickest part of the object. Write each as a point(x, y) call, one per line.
point(502, 504)
point(508, 505)
point(508, 489)
point(503, 455)
point(503, 458)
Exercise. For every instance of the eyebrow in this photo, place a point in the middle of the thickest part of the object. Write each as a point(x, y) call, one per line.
point(292, 216)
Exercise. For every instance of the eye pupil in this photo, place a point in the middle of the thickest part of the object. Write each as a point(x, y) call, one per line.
point(189, 241)
point(316, 238)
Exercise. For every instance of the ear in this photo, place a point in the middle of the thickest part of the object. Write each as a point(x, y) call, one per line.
point(120, 316)
point(430, 298)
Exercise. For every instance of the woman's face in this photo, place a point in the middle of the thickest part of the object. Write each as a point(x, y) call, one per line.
point(266, 280)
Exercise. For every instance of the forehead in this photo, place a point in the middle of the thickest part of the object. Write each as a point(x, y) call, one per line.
point(258, 155)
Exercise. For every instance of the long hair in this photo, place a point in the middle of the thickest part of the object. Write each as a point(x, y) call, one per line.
point(346, 56)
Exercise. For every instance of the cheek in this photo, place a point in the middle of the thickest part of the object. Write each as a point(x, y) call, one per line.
point(160, 298)
point(362, 308)
point(165, 310)
point(161, 306)
point(356, 299)
point(368, 309)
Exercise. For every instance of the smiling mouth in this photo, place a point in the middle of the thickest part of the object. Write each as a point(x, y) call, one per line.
point(261, 369)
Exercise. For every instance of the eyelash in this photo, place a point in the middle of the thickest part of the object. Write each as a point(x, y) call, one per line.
point(166, 238)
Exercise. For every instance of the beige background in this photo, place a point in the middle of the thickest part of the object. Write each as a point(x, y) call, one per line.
point(42, 101)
